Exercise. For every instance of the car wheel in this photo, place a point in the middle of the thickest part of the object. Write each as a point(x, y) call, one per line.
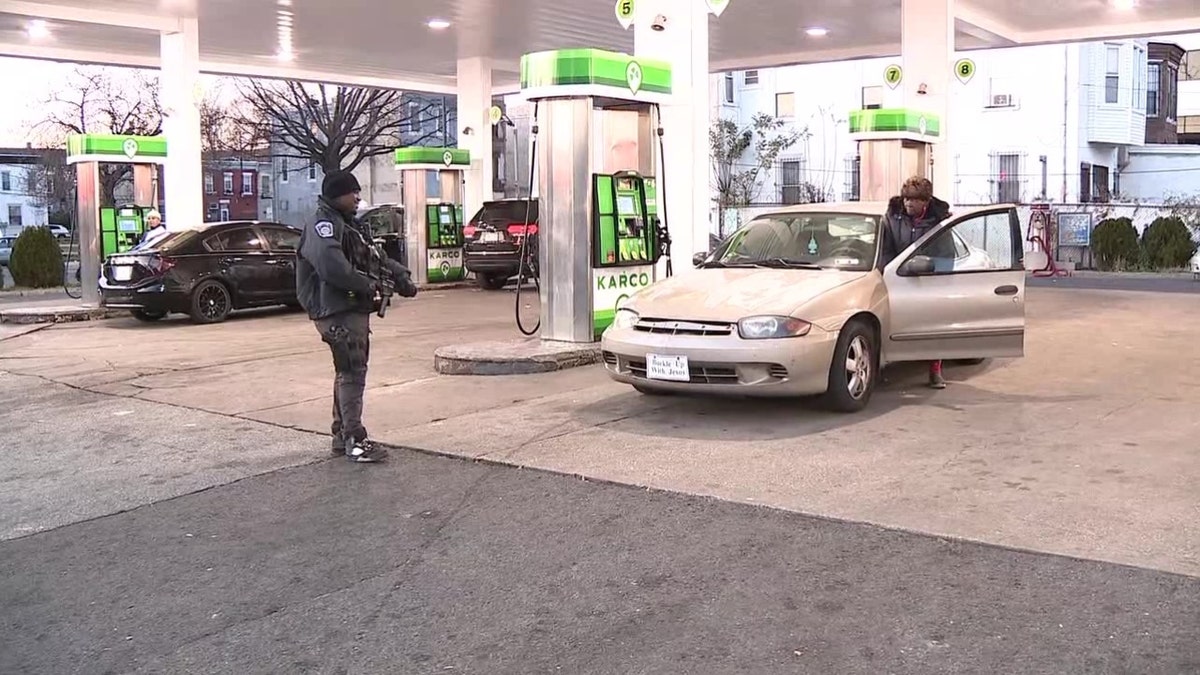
point(147, 316)
point(491, 282)
point(211, 302)
point(853, 371)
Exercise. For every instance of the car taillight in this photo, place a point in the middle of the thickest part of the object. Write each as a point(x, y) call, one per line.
point(469, 231)
point(518, 229)
point(161, 264)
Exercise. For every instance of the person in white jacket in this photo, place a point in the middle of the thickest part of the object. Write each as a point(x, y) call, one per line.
point(155, 229)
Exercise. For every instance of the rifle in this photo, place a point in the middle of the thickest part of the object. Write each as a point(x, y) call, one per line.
point(385, 281)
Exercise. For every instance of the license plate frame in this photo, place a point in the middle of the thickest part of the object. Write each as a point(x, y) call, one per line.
point(668, 368)
point(492, 238)
point(122, 272)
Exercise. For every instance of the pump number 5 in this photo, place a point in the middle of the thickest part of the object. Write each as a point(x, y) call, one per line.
point(624, 11)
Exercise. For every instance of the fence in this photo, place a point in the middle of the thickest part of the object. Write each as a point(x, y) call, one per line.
point(1141, 215)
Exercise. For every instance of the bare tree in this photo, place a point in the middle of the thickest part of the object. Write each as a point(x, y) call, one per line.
point(232, 129)
point(737, 182)
point(340, 127)
point(50, 184)
point(99, 100)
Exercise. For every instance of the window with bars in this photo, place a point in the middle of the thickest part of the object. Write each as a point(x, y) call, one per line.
point(1006, 178)
point(791, 181)
point(853, 178)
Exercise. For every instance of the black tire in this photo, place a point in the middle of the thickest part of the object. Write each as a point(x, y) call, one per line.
point(847, 392)
point(147, 316)
point(211, 302)
point(491, 282)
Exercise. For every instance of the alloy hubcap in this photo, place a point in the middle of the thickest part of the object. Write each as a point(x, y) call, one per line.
point(213, 302)
point(858, 367)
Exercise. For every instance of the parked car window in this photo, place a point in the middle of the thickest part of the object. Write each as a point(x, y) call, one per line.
point(987, 240)
point(281, 239)
point(833, 240)
point(241, 239)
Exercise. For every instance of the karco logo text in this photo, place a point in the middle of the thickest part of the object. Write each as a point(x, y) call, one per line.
point(620, 281)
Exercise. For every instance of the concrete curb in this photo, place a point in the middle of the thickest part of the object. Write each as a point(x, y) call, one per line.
point(31, 315)
point(515, 357)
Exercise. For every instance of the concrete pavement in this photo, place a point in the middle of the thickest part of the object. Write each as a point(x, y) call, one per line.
point(1084, 448)
point(431, 565)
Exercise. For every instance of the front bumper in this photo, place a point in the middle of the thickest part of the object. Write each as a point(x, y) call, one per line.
point(724, 364)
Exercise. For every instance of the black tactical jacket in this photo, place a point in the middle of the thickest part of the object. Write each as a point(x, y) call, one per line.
point(331, 266)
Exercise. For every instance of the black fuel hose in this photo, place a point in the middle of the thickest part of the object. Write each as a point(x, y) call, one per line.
point(523, 257)
point(664, 232)
point(73, 245)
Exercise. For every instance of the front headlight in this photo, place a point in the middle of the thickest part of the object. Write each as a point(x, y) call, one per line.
point(767, 327)
point(625, 318)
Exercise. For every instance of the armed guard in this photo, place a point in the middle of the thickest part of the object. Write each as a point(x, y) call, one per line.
point(341, 278)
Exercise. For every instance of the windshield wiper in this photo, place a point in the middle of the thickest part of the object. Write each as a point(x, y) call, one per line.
point(786, 263)
point(722, 265)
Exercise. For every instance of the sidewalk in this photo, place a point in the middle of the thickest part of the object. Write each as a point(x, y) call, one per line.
point(1062, 451)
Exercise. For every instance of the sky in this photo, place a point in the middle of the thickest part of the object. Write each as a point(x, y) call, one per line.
point(36, 82)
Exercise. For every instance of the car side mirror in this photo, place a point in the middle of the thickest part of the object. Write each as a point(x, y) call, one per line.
point(917, 266)
point(699, 258)
point(1036, 261)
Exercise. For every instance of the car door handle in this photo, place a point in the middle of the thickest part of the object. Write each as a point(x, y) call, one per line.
point(1006, 290)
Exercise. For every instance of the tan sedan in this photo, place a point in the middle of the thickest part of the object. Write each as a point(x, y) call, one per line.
point(795, 303)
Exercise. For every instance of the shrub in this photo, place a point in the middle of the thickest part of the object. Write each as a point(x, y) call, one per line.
point(1115, 244)
point(1167, 244)
point(36, 260)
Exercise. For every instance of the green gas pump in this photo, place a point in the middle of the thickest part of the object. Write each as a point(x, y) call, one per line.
point(625, 241)
point(445, 242)
point(121, 228)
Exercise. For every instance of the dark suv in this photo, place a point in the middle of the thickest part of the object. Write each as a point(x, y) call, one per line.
point(492, 250)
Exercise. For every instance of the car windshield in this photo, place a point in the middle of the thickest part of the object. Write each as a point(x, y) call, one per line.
point(814, 240)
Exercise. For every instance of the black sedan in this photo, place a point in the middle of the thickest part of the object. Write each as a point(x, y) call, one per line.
point(205, 272)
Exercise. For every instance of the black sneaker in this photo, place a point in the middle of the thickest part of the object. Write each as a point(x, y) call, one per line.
point(365, 451)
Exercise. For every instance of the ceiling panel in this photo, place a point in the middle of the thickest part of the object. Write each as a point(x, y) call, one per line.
point(388, 39)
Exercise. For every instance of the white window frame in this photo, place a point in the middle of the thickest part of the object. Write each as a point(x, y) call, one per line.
point(727, 96)
point(247, 183)
point(227, 183)
point(1109, 74)
point(752, 78)
point(210, 183)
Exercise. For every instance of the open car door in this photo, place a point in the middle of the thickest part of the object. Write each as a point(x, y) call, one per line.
point(959, 291)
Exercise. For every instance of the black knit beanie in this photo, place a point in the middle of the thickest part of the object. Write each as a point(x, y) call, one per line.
point(338, 184)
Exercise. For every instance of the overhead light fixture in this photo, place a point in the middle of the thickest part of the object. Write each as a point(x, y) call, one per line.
point(285, 54)
point(817, 31)
point(38, 29)
point(438, 24)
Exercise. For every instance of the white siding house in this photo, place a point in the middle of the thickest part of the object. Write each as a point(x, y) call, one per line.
point(1057, 122)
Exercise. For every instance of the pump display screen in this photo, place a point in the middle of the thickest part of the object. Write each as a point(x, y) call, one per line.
point(625, 205)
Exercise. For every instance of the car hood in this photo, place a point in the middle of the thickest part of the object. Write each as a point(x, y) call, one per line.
point(729, 295)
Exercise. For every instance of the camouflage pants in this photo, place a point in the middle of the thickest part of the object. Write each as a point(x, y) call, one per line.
point(349, 338)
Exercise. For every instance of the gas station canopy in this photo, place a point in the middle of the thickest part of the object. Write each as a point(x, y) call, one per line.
point(417, 44)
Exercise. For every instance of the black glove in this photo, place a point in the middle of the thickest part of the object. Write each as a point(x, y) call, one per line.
point(405, 287)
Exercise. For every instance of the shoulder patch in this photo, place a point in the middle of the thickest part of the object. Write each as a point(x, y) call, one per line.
point(324, 229)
